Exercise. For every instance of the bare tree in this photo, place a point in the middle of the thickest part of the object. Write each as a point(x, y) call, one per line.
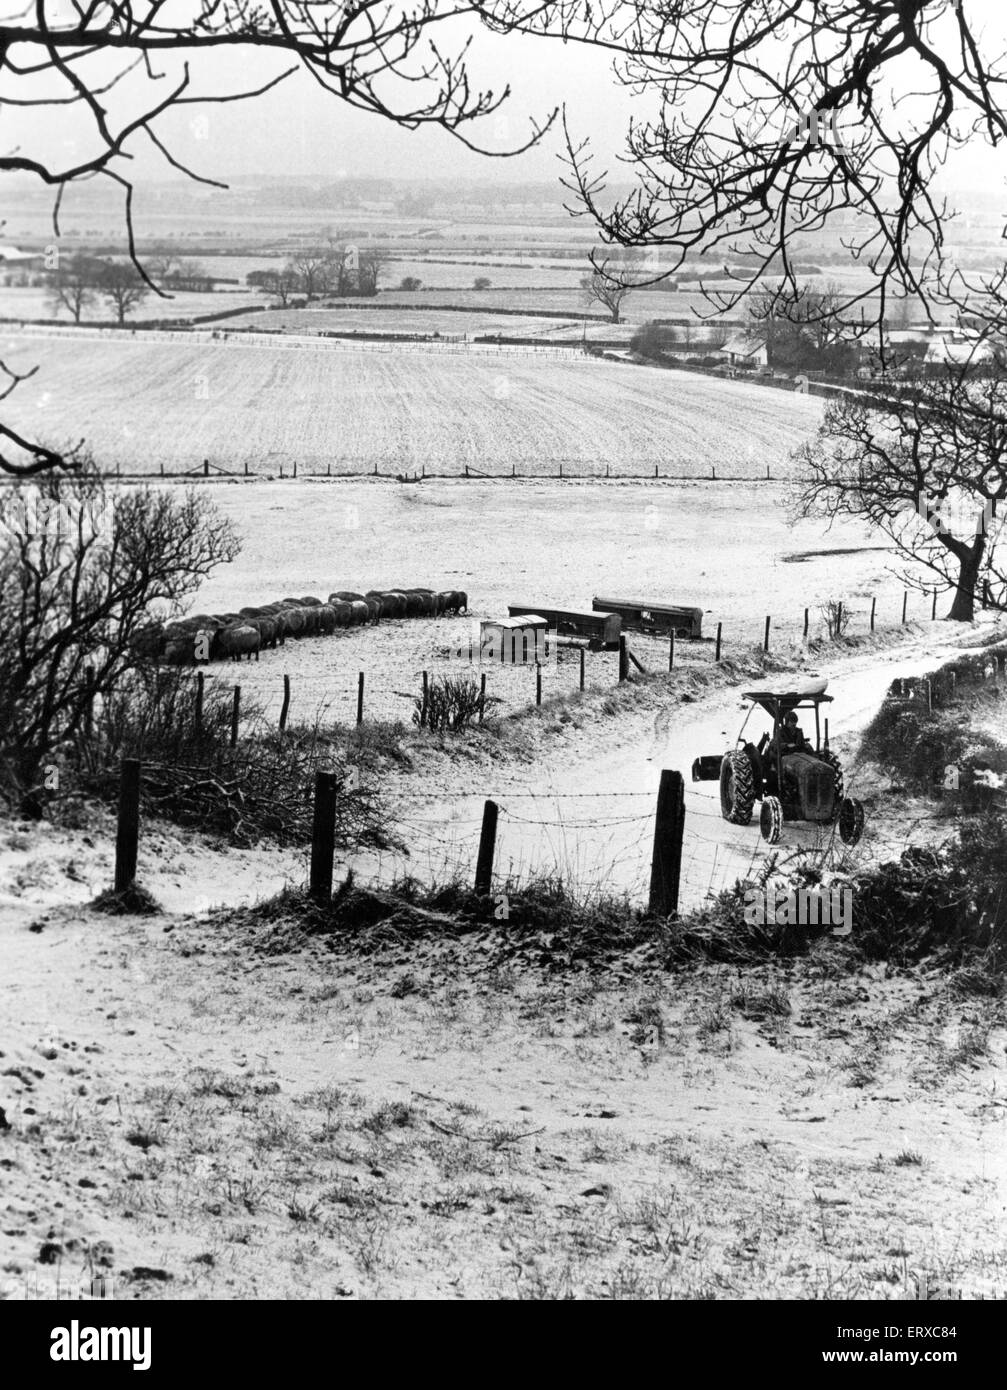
point(371, 263)
point(163, 267)
point(72, 285)
point(925, 462)
point(314, 270)
point(79, 571)
point(122, 70)
point(607, 287)
point(801, 325)
point(767, 122)
point(122, 286)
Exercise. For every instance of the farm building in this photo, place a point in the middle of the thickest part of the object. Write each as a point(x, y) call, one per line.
point(13, 258)
point(742, 351)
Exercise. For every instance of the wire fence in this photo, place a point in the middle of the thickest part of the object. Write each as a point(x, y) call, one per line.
point(320, 676)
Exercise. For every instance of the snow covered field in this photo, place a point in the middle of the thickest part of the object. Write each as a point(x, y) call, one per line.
point(321, 403)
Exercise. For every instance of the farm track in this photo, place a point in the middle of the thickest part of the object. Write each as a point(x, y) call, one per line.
point(583, 809)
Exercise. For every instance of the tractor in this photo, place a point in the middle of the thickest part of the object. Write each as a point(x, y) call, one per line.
point(794, 780)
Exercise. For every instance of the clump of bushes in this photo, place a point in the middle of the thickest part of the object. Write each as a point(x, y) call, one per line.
point(450, 703)
point(918, 745)
point(259, 789)
point(949, 902)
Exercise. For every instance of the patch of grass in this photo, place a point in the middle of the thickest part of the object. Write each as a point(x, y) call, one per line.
point(972, 1045)
point(647, 1018)
point(713, 1026)
point(134, 901)
point(754, 1001)
point(394, 1114)
point(908, 1158)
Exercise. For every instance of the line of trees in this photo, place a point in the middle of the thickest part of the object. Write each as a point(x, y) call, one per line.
point(332, 268)
point(80, 282)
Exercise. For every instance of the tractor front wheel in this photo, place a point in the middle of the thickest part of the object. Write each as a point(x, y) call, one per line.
point(737, 794)
point(851, 821)
point(771, 820)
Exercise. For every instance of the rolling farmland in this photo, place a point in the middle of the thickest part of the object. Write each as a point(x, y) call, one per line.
point(358, 408)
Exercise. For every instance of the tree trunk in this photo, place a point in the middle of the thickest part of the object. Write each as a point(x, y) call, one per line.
point(963, 608)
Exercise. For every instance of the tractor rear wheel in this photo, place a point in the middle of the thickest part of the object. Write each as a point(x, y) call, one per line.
point(737, 793)
point(851, 820)
point(838, 783)
point(771, 820)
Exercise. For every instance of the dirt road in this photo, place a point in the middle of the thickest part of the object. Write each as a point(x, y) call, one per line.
point(585, 809)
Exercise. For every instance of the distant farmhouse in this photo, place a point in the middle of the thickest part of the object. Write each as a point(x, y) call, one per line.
point(742, 351)
point(19, 267)
point(12, 258)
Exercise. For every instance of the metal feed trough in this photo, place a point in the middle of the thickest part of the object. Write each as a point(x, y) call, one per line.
point(601, 631)
point(641, 615)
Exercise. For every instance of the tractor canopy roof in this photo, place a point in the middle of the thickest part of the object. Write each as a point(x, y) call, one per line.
point(776, 702)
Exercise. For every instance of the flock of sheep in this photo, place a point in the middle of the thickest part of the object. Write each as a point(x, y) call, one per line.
point(216, 637)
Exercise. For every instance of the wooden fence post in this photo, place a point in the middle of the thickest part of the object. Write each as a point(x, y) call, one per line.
point(200, 683)
point(127, 833)
point(825, 745)
point(623, 659)
point(765, 640)
point(235, 709)
point(285, 707)
point(323, 836)
point(426, 699)
point(671, 651)
point(295, 468)
point(933, 610)
point(360, 698)
point(719, 629)
point(666, 864)
point(905, 600)
point(487, 848)
point(482, 696)
point(839, 618)
point(806, 622)
point(874, 604)
point(582, 668)
point(538, 682)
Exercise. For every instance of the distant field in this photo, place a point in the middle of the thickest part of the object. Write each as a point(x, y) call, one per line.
point(460, 275)
point(33, 304)
point(420, 320)
point(141, 403)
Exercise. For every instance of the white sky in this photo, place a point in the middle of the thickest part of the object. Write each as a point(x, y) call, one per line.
point(299, 129)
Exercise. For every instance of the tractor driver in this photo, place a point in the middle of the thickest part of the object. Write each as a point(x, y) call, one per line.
point(790, 736)
point(792, 739)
